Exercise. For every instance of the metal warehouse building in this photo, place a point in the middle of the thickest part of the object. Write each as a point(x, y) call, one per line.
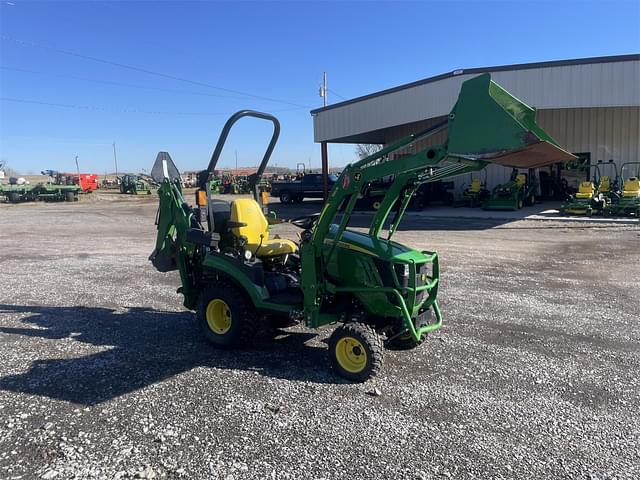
point(590, 106)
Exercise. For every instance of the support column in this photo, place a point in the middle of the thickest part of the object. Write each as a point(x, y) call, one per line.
point(325, 170)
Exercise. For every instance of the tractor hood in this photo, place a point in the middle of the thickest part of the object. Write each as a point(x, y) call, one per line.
point(387, 250)
point(488, 123)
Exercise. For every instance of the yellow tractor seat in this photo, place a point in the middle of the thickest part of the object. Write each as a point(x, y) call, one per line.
point(631, 187)
point(256, 231)
point(476, 186)
point(585, 190)
point(521, 179)
point(605, 185)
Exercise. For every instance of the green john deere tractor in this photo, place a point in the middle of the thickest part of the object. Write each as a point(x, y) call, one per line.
point(215, 185)
point(379, 292)
point(518, 192)
point(134, 184)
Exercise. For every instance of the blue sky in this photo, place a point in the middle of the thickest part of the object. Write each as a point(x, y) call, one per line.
point(56, 105)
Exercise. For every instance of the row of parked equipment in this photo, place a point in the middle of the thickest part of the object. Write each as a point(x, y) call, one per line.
point(518, 192)
point(610, 195)
point(67, 187)
point(59, 187)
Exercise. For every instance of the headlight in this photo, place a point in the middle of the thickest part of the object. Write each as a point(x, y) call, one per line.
point(402, 272)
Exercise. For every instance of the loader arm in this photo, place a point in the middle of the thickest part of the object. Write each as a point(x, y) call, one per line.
point(486, 125)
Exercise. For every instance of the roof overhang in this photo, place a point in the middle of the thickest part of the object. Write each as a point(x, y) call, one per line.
point(576, 83)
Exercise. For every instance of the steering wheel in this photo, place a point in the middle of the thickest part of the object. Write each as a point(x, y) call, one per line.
point(307, 222)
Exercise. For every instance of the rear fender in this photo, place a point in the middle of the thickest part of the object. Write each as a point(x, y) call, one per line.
point(215, 263)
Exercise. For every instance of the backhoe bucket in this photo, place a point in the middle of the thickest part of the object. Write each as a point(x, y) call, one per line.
point(164, 167)
point(488, 123)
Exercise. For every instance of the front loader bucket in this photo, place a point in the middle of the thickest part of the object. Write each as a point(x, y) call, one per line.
point(488, 123)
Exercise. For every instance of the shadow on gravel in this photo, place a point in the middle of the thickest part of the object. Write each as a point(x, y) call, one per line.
point(141, 347)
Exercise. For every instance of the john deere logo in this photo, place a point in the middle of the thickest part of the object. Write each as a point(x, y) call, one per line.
point(357, 176)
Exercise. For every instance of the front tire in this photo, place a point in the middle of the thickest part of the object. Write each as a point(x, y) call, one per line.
point(356, 352)
point(225, 318)
point(69, 196)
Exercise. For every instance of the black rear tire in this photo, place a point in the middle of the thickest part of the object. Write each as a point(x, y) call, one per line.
point(356, 352)
point(286, 197)
point(13, 197)
point(225, 317)
point(69, 196)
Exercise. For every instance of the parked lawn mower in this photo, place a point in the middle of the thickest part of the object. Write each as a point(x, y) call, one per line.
point(379, 292)
point(518, 192)
point(475, 194)
point(629, 202)
point(608, 185)
point(587, 200)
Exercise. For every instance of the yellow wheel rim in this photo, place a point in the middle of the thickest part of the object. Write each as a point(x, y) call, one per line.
point(351, 354)
point(218, 316)
point(376, 205)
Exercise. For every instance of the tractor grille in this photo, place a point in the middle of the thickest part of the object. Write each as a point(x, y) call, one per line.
point(423, 276)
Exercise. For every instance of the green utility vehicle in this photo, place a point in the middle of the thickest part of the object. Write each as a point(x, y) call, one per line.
point(379, 292)
point(518, 192)
point(134, 184)
point(628, 204)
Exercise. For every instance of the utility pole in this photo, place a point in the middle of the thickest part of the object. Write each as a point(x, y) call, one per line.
point(324, 151)
point(323, 89)
point(77, 168)
point(115, 159)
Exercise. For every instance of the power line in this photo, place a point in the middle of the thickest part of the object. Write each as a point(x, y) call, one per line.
point(122, 84)
point(144, 70)
point(336, 94)
point(123, 110)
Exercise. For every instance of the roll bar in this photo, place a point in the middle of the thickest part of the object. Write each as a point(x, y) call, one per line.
point(255, 179)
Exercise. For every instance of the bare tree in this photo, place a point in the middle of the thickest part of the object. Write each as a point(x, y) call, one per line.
point(364, 150)
point(8, 171)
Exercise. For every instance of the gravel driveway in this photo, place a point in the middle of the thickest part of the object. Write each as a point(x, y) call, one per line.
point(104, 375)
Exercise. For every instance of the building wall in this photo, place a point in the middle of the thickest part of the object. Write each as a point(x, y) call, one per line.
point(611, 84)
point(607, 133)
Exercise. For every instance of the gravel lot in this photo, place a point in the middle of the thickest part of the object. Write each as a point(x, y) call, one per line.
point(104, 375)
